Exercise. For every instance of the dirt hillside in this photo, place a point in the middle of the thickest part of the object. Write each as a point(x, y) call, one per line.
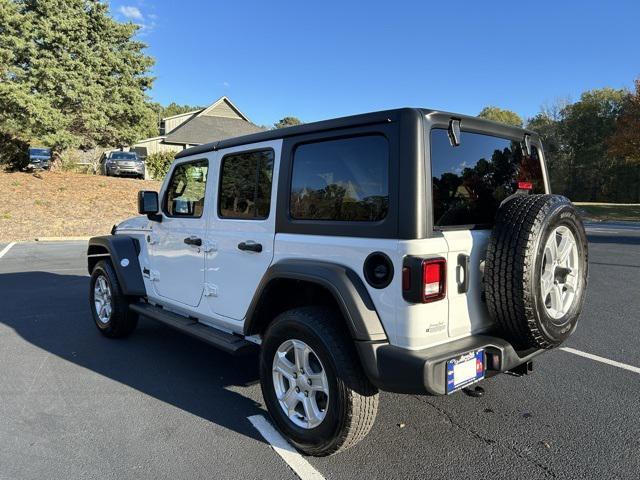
point(63, 204)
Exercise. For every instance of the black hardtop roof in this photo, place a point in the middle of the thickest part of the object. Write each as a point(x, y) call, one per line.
point(383, 116)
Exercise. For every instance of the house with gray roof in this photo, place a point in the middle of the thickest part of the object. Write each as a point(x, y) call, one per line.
point(220, 120)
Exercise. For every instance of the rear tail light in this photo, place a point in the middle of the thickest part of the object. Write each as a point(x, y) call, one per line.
point(525, 186)
point(424, 279)
point(434, 273)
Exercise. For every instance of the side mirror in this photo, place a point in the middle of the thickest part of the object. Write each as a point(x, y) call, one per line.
point(149, 205)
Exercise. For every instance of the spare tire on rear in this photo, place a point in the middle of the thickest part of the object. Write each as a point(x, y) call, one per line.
point(536, 270)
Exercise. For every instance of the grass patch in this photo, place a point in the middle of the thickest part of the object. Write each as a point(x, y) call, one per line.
point(610, 211)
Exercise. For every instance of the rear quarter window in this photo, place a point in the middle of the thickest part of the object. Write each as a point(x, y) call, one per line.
point(471, 180)
point(341, 180)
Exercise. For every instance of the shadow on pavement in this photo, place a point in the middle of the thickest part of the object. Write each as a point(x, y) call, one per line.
point(155, 359)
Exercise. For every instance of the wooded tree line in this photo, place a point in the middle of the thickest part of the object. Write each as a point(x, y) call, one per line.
point(592, 146)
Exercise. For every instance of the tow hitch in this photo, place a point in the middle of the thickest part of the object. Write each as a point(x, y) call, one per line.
point(523, 369)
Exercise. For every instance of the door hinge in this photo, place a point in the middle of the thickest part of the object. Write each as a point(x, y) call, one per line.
point(154, 275)
point(210, 246)
point(210, 290)
point(152, 238)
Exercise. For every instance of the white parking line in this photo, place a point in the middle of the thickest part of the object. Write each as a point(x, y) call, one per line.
point(298, 464)
point(596, 358)
point(6, 249)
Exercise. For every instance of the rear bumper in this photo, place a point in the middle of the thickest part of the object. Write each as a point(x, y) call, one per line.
point(396, 369)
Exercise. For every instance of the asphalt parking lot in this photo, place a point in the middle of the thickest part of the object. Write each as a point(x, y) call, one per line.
point(162, 405)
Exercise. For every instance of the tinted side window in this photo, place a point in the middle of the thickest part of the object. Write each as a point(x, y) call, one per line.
point(186, 189)
point(245, 185)
point(471, 180)
point(346, 179)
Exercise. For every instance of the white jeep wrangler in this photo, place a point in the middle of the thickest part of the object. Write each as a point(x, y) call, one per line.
point(411, 250)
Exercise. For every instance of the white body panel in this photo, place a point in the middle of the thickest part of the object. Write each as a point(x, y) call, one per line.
point(177, 269)
point(232, 275)
point(468, 314)
point(350, 252)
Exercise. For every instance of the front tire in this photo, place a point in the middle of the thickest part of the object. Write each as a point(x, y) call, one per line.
point(313, 384)
point(109, 306)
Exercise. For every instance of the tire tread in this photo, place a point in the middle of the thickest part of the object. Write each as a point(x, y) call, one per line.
point(510, 259)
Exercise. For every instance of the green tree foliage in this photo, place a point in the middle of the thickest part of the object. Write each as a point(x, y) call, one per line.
point(287, 122)
point(585, 127)
point(500, 115)
point(71, 76)
point(625, 142)
point(175, 109)
point(547, 124)
point(588, 146)
point(158, 164)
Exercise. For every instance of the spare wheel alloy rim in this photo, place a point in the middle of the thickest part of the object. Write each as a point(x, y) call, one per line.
point(559, 273)
point(102, 299)
point(300, 382)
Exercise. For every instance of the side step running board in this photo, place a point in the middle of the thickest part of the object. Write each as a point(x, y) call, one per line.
point(227, 342)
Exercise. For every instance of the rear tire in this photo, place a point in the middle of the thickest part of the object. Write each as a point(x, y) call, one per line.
point(348, 410)
point(536, 270)
point(109, 306)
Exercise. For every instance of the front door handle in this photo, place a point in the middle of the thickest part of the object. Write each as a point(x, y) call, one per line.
point(193, 241)
point(251, 246)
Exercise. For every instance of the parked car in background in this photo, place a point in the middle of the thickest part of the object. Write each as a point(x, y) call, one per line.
point(39, 158)
point(122, 164)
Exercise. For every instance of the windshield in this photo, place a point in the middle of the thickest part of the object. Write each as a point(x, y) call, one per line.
point(39, 152)
point(471, 180)
point(124, 156)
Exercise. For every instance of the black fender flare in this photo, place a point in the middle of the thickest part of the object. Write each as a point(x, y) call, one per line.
point(123, 252)
point(342, 282)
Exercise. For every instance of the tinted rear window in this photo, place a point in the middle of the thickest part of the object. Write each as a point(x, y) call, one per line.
point(341, 180)
point(471, 180)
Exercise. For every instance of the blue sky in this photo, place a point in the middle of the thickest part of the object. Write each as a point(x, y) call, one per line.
point(318, 60)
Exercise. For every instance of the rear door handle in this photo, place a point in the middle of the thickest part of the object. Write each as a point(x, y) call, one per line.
point(463, 273)
point(251, 246)
point(193, 241)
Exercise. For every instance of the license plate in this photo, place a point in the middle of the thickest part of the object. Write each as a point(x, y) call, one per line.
point(465, 370)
